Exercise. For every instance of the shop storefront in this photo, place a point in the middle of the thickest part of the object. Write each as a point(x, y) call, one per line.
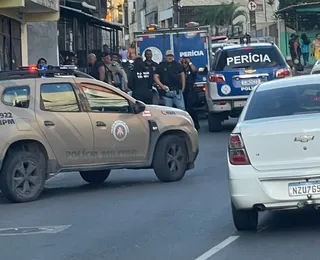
point(14, 16)
point(10, 43)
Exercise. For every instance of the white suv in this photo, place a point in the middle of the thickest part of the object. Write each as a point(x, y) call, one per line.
point(273, 153)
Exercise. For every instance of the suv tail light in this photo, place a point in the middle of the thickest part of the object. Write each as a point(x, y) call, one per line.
point(282, 73)
point(237, 151)
point(216, 78)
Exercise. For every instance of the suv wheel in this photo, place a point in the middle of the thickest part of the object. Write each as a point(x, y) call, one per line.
point(23, 176)
point(170, 158)
point(95, 177)
point(214, 122)
point(245, 220)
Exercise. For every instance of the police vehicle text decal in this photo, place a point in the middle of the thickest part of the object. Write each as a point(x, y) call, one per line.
point(248, 59)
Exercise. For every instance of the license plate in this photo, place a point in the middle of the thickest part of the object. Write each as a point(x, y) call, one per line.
point(239, 103)
point(250, 82)
point(304, 188)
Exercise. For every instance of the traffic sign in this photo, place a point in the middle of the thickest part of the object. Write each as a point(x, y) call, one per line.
point(252, 6)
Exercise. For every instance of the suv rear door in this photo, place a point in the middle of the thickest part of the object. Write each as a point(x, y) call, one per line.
point(63, 122)
point(247, 66)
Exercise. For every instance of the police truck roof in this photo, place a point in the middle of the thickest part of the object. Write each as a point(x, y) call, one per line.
point(240, 46)
point(34, 71)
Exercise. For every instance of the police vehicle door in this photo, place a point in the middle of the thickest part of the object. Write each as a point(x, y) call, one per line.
point(120, 136)
point(66, 127)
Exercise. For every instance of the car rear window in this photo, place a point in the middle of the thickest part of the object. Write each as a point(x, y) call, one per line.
point(286, 101)
point(249, 58)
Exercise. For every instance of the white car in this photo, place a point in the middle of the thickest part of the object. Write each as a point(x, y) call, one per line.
point(274, 150)
point(316, 68)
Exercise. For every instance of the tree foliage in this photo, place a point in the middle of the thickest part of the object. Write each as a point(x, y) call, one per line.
point(219, 15)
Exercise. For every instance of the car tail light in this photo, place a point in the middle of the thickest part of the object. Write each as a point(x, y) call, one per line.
point(237, 151)
point(282, 73)
point(33, 67)
point(216, 78)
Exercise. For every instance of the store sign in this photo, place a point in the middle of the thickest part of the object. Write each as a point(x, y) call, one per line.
point(52, 4)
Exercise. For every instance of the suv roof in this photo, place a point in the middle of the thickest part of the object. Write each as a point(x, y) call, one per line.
point(49, 71)
point(239, 46)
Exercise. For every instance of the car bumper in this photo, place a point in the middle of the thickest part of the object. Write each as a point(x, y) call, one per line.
point(250, 188)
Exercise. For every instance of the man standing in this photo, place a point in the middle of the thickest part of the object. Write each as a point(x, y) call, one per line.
point(124, 53)
point(149, 63)
point(97, 69)
point(170, 76)
point(112, 72)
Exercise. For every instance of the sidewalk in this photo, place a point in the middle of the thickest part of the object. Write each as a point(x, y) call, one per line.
point(306, 71)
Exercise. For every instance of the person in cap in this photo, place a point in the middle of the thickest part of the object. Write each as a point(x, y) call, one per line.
point(140, 81)
point(170, 77)
point(96, 68)
point(112, 72)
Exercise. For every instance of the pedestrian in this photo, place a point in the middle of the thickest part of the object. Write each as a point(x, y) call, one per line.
point(189, 93)
point(124, 53)
point(316, 47)
point(112, 72)
point(106, 48)
point(140, 81)
point(295, 51)
point(149, 63)
point(96, 68)
point(305, 44)
point(132, 52)
point(170, 77)
point(42, 62)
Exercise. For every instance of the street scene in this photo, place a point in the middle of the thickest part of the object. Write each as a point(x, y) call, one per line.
point(143, 129)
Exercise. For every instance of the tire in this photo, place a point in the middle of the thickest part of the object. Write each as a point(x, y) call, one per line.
point(245, 220)
point(23, 175)
point(214, 122)
point(170, 158)
point(95, 177)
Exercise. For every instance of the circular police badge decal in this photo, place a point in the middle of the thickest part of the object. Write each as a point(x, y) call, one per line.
point(119, 130)
point(156, 54)
point(225, 89)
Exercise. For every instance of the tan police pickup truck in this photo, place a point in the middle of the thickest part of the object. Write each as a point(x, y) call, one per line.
point(57, 119)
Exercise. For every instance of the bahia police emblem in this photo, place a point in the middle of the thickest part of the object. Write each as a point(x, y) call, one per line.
point(120, 130)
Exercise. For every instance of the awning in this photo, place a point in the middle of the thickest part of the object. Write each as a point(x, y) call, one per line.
point(298, 7)
point(90, 18)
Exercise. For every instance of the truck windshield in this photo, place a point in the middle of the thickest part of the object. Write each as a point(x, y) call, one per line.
point(249, 57)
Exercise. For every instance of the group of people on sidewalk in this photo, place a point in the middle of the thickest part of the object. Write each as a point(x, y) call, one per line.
point(301, 48)
point(174, 80)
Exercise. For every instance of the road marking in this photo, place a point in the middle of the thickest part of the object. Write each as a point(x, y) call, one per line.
point(217, 248)
point(19, 231)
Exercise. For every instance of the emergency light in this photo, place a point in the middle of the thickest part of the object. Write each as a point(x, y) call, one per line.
point(152, 27)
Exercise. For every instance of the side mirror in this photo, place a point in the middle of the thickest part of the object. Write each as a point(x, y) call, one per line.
point(139, 107)
point(203, 70)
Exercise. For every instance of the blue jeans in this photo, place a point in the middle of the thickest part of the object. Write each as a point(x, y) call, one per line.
point(173, 98)
point(305, 58)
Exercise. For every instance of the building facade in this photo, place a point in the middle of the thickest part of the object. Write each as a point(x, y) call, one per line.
point(161, 12)
point(14, 18)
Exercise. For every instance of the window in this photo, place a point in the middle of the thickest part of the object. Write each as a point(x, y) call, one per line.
point(58, 97)
point(253, 58)
point(16, 96)
point(287, 101)
point(104, 100)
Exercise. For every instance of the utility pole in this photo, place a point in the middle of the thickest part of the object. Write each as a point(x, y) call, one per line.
point(126, 22)
point(176, 13)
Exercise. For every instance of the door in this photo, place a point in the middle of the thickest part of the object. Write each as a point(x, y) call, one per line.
point(65, 125)
point(158, 44)
point(120, 136)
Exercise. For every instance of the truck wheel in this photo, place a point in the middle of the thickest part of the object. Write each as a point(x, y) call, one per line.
point(214, 122)
point(245, 220)
point(95, 177)
point(23, 176)
point(170, 158)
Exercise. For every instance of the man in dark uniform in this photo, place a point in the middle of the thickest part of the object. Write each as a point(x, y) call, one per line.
point(97, 69)
point(170, 77)
point(189, 93)
point(149, 63)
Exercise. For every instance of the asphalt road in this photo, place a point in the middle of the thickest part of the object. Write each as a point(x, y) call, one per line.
point(135, 217)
